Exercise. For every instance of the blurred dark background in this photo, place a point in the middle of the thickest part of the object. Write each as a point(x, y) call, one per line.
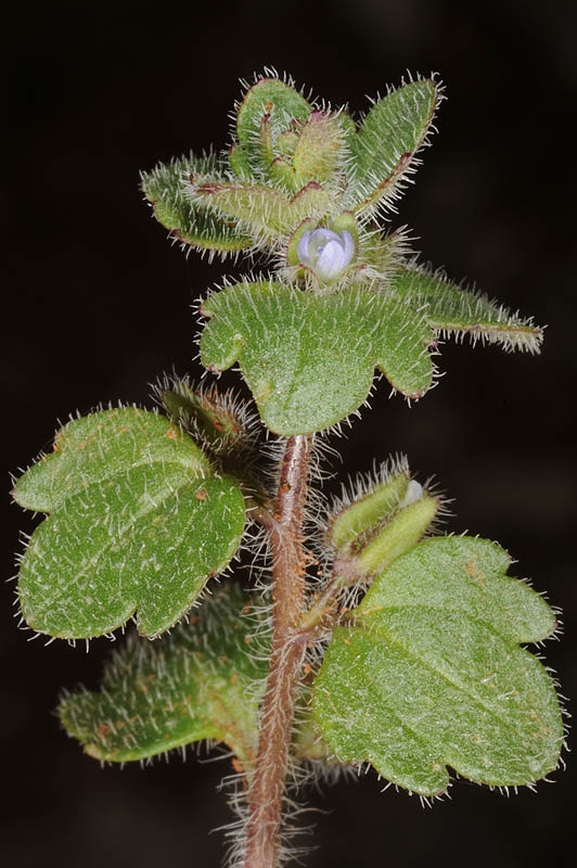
point(95, 306)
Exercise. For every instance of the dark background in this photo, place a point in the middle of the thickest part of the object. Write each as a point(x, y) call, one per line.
point(95, 305)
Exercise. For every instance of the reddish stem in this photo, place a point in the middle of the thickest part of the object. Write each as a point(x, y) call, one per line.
point(267, 788)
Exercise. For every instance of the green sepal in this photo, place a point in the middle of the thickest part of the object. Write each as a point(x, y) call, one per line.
point(453, 311)
point(240, 162)
point(384, 149)
point(200, 682)
point(431, 675)
point(384, 519)
point(397, 534)
point(268, 111)
point(191, 223)
point(309, 360)
point(378, 502)
point(138, 524)
point(346, 222)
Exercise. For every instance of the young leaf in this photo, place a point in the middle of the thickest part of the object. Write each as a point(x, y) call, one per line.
point(200, 682)
point(262, 210)
point(309, 360)
point(318, 150)
point(268, 115)
point(138, 523)
point(384, 149)
point(192, 223)
point(431, 674)
point(452, 311)
point(221, 422)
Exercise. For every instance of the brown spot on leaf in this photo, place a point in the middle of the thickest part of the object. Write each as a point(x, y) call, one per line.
point(475, 573)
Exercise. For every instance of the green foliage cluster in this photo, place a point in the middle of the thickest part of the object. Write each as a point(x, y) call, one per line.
point(418, 664)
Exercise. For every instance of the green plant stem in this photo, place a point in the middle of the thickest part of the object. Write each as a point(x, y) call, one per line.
point(267, 787)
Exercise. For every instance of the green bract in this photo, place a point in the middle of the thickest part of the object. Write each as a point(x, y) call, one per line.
point(138, 523)
point(201, 682)
point(431, 674)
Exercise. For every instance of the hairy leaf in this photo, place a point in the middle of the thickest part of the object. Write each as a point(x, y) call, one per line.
point(310, 360)
point(431, 674)
point(203, 681)
point(318, 149)
point(451, 310)
point(190, 222)
point(384, 150)
point(138, 523)
point(262, 209)
point(266, 121)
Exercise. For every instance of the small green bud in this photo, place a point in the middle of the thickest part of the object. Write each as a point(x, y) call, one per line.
point(385, 522)
point(219, 422)
point(400, 534)
point(362, 514)
point(317, 153)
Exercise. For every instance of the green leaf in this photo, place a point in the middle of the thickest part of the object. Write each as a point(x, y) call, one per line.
point(452, 311)
point(318, 150)
point(200, 682)
point(269, 112)
point(189, 222)
point(139, 524)
point(432, 675)
point(384, 150)
point(262, 209)
point(101, 446)
point(309, 360)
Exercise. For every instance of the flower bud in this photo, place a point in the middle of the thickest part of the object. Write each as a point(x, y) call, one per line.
point(220, 422)
point(384, 523)
point(326, 252)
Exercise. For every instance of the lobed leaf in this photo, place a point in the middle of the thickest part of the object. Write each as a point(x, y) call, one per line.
point(200, 682)
point(309, 360)
point(190, 222)
point(451, 310)
point(431, 674)
point(138, 523)
point(99, 447)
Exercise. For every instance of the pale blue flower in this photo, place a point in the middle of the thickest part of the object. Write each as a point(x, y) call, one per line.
point(325, 252)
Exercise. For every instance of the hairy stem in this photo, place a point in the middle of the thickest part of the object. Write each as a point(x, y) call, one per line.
point(267, 788)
